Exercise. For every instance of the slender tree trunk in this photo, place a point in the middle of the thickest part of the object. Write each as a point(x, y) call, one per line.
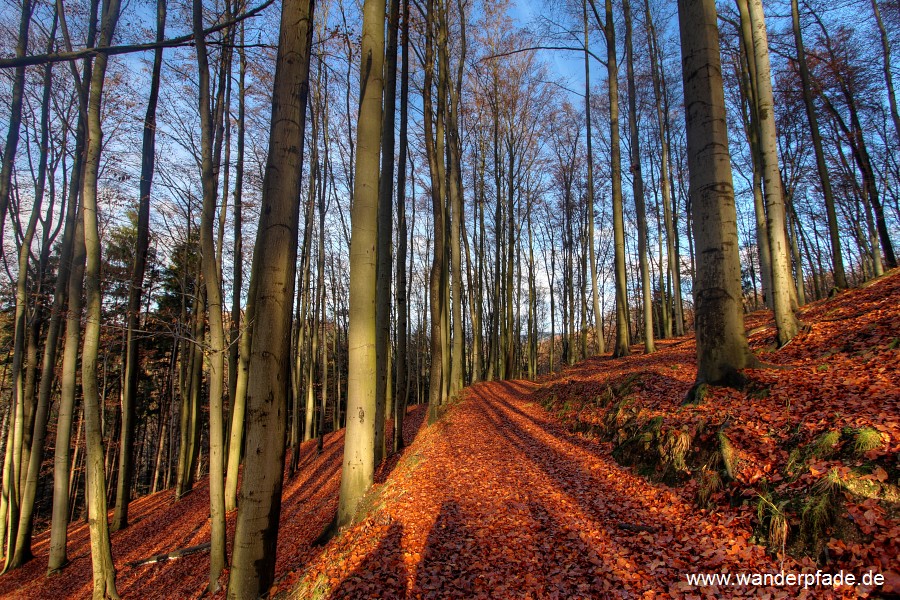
point(622, 346)
point(12, 476)
point(74, 286)
point(402, 295)
point(385, 231)
point(454, 151)
point(272, 287)
point(599, 344)
point(432, 145)
point(358, 472)
point(235, 364)
point(31, 466)
point(752, 127)
point(101, 552)
point(135, 292)
point(785, 320)
point(210, 269)
point(638, 185)
point(837, 260)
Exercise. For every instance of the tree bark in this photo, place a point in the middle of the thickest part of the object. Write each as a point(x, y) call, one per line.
point(210, 268)
point(837, 259)
point(95, 490)
point(74, 287)
point(782, 294)
point(359, 440)
point(638, 185)
point(402, 296)
point(385, 233)
point(622, 346)
point(272, 286)
point(599, 342)
point(135, 292)
point(722, 348)
point(32, 465)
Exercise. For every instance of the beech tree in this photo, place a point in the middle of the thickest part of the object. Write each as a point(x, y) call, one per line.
point(722, 348)
point(137, 339)
point(359, 446)
point(272, 293)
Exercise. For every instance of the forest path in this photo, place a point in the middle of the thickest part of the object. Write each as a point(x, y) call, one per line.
point(501, 501)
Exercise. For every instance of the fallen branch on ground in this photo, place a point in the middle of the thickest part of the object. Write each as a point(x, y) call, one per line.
point(169, 555)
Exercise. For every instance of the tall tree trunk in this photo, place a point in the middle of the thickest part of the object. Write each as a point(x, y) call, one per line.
point(750, 87)
point(402, 296)
point(101, 553)
point(837, 259)
point(622, 346)
point(638, 185)
point(670, 198)
point(74, 286)
point(599, 343)
point(235, 364)
point(358, 472)
point(782, 296)
point(12, 475)
point(272, 287)
point(210, 267)
point(433, 144)
point(385, 233)
point(32, 465)
point(454, 151)
point(722, 348)
point(135, 292)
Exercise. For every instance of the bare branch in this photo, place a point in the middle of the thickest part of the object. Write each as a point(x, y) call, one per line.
point(185, 40)
point(533, 48)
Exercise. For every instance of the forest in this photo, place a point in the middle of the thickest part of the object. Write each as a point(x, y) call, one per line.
point(412, 298)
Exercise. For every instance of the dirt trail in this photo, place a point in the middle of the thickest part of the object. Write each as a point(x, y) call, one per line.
point(500, 501)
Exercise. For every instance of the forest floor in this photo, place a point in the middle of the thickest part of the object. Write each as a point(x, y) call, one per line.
point(160, 524)
point(519, 491)
point(594, 482)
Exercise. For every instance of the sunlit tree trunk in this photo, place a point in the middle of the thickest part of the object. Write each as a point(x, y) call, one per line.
point(722, 348)
point(210, 268)
point(31, 462)
point(95, 490)
point(358, 471)
point(782, 283)
point(75, 224)
point(12, 475)
point(622, 345)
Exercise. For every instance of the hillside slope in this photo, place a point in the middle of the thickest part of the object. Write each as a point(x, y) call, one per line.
point(591, 482)
point(597, 482)
point(160, 524)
